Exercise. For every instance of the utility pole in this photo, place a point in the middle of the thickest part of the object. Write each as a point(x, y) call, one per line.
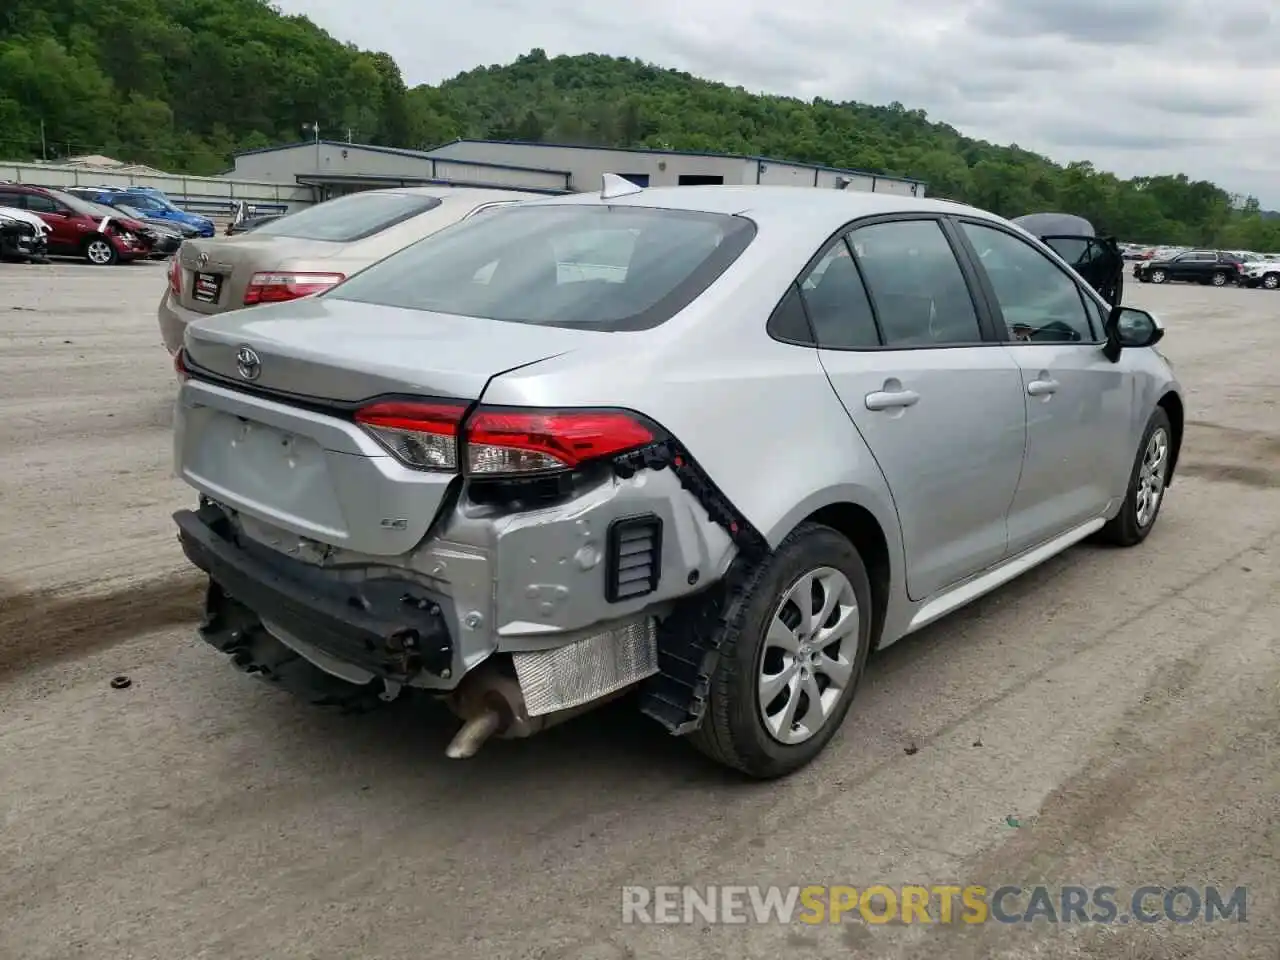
point(44, 145)
point(349, 135)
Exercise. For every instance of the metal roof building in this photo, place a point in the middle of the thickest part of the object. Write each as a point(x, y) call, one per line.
point(331, 168)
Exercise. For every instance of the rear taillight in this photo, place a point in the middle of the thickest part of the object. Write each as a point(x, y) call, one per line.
point(501, 441)
point(175, 277)
point(279, 287)
point(422, 434)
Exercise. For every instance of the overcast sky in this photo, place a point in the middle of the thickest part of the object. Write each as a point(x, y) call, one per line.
point(1135, 86)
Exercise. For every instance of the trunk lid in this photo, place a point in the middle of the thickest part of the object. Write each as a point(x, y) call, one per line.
point(316, 473)
point(345, 351)
point(227, 263)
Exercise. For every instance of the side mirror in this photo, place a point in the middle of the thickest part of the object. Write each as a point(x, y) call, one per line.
point(1133, 328)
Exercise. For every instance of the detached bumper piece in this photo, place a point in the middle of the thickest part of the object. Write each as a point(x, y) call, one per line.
point(389, 629)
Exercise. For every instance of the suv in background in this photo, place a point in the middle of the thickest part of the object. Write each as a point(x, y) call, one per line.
point(1216, 267)
point(77, 228)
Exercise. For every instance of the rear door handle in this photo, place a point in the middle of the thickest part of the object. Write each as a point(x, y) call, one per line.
point(892, 399)
point(1042, 388)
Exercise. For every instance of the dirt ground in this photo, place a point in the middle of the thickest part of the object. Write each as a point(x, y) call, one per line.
point(1111, 718)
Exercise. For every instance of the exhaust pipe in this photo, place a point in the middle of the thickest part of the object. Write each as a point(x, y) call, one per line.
point(467, 742)
point(491, 703)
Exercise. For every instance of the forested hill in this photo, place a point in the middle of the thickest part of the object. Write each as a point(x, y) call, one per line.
point(183, 84)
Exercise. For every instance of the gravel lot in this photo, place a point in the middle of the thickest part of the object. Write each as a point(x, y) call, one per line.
point(1123, 707)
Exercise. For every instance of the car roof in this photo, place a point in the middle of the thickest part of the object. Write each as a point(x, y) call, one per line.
point(817, 207)
point(479, 194)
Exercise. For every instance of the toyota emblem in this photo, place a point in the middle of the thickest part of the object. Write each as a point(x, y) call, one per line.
point(248, 363)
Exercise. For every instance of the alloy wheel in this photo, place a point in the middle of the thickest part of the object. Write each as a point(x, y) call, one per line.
point(1157, 276)
point(99, 252)
point(1219, 279)
point(1271, 281)
point(806, 661)
point(1151, 478)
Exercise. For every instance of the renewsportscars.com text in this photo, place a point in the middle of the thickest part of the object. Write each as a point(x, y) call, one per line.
point(930, 904)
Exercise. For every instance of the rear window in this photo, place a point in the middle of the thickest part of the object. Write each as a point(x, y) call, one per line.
point(595, 267)
point(350, 218)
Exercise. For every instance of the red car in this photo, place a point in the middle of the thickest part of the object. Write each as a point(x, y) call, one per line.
point(79, 228)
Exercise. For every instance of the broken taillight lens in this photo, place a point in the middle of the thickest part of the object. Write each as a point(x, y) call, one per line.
point(282, 286)
point(501, 441)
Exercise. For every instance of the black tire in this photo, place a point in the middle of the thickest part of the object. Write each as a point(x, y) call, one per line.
point(98, 251)
point(732, 731)
point(1219, 278)
point(1125, 529)
point(1157, 276)
point(1271, 281)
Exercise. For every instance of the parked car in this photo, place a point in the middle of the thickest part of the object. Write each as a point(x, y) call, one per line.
point(168, 237)
point(1261, 273)
point(22, 236)
point(77, 228)
point(771, 438)
point(155, 205)
point(163, 241)
point(308, 251)
point(1193, 266)
point(1097, 259)
point(110, 199)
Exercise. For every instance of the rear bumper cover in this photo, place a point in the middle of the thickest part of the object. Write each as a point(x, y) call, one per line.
point(391, 627)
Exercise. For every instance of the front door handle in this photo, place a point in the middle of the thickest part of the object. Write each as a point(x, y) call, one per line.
point(1042, 388)
point(892, 399)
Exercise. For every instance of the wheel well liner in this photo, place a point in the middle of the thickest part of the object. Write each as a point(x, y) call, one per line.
point(1171, 403)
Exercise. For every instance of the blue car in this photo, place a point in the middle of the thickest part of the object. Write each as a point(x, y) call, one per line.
point(157, 206)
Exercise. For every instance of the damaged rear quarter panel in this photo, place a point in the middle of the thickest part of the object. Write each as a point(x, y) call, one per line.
point(549, 564)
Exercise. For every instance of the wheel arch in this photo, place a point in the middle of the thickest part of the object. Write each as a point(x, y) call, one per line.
point(861, 528)
point(868, 518)
point(1171, 403)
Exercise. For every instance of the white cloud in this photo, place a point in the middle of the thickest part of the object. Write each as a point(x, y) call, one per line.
point(1135, 86)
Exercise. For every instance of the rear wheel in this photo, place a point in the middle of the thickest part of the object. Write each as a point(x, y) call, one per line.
point(1158, 276)
point(99, 252)
point(791, 656)
point(1219, 279)
point(1145, 495)
point(1271, 281)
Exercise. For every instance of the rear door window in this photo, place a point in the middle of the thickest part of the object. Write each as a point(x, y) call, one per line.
point(837, 302)
point(573, 265)
point(916, 285)
point(350, 218)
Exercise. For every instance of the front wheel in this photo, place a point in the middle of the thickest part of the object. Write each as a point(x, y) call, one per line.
point(99, 252)
point(791, 655)
point(1158, 276)
point(1271, 281)
point(1145, 494)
